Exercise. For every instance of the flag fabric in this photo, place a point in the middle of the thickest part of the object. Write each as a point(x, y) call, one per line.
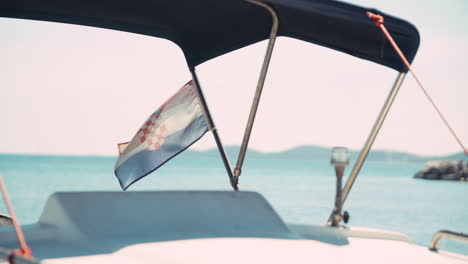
point(171, 129)
point(122, 146)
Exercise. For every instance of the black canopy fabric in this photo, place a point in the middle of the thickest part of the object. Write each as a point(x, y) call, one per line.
point(205, 29)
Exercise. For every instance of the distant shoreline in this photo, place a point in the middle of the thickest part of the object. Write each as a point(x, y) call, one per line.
point(317, 153)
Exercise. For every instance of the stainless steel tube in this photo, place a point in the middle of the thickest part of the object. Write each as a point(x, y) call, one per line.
point(437, 238)
point(212, 128)
point(371, 138)
point(258, 92)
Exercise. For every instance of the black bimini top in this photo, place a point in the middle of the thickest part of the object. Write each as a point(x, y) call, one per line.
point(205, 29)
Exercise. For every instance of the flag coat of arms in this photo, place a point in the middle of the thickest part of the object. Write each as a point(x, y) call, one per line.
point(171, 129)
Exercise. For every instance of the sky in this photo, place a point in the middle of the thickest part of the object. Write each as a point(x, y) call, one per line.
point(67, 89)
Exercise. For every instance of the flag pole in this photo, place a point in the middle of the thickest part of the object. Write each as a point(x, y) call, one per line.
point(213, 129)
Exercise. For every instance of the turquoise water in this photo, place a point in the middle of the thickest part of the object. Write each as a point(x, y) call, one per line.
point(385, 195)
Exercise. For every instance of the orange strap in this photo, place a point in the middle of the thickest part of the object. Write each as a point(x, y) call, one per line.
point(25, 251)
point(378, 21)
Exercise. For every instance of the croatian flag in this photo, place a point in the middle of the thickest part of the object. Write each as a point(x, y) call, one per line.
point(172, 128)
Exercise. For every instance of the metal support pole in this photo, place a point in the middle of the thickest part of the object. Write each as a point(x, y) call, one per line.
point(212, 128)
point(371, 138)
point(258, 92)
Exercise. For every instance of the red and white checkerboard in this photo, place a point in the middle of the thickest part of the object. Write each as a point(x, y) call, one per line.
point(152, 135)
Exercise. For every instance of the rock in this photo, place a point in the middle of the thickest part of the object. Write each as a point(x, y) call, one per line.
point(431, 176)
point(419, 175)
point(5, 220)
point(452, 170)
point(465, 174)
point(456, 176)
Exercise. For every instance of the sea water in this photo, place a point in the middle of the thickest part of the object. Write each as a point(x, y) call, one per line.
point(385, 196)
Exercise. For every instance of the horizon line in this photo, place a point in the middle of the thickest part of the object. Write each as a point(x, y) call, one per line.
point(234, 146)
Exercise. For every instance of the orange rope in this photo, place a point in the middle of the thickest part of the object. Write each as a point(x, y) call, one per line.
point(25, 251)
point(378, 21)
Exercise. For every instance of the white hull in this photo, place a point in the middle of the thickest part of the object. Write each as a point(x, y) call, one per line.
point(200, 227)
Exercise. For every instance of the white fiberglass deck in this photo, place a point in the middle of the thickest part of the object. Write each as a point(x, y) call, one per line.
point(199, 227)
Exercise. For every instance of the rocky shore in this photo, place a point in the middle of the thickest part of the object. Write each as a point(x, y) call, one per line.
point(451, 170)
point(5, 220)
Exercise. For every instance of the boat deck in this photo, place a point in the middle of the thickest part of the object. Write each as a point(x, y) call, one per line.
point(199, 227)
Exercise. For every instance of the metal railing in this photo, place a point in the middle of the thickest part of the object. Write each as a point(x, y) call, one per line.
point(437, 238)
